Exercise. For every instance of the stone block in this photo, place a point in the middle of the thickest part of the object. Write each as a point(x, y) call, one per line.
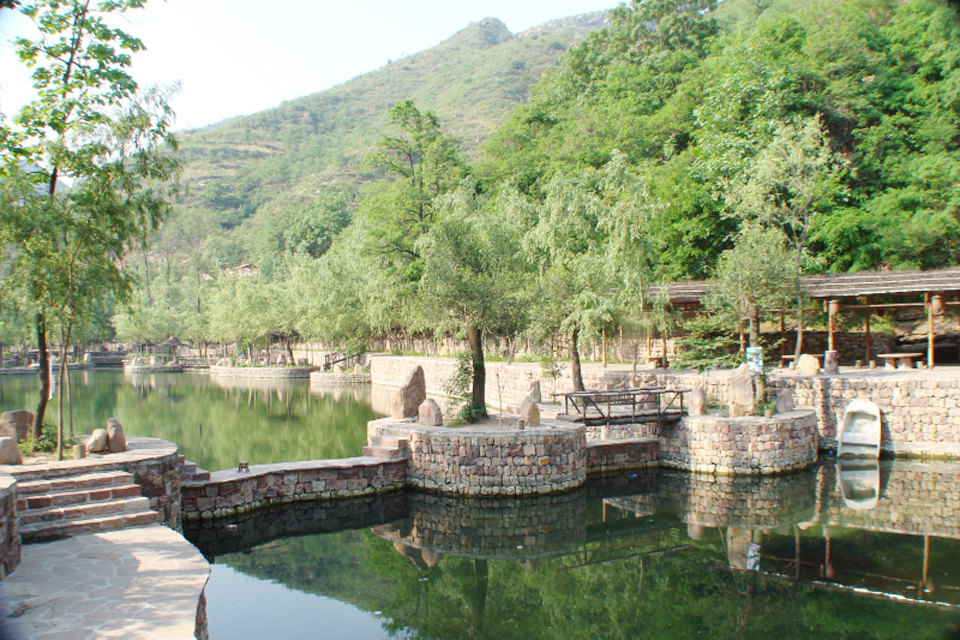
point(15, 424)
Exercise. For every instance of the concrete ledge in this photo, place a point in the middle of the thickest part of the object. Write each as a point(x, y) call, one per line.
point(620, 455)
point(139, 583)
point(282, 373)
point(230, 492)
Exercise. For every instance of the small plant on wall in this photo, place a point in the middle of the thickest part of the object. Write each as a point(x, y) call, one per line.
point(459, 389)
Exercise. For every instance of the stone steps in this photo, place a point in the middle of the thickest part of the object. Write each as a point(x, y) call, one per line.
point(81, 503)
point(190, 472)
point(387, 447)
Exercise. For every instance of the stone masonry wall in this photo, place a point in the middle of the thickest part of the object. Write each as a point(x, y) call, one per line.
point(621, 455)
point(230, 492)
point(9, 526)
point(742, 446)
point(281, 373)
point(920, 410)
point(487, 461)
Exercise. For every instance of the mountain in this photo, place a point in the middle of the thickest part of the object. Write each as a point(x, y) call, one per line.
point(284, 159)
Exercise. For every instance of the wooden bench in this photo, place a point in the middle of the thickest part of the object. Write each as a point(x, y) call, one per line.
point(899, 360)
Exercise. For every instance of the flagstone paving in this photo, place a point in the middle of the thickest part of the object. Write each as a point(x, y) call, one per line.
point(141, 582)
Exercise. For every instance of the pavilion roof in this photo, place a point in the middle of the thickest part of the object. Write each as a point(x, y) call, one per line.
point(846, 285)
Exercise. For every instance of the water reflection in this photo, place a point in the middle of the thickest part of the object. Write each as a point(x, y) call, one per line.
point(660, 554)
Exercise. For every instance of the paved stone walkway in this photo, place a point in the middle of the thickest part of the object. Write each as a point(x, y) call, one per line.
point(142, 582)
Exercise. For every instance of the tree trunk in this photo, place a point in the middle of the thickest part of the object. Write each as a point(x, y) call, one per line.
point(754, 321)
point(478, 397)
point(44, 374)
point(575, 361)
point(290, 352)
point(798, 348)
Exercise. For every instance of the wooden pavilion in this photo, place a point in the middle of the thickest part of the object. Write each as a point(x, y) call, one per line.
point(932, 290)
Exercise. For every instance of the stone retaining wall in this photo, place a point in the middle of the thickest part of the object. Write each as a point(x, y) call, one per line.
point(154, 463)
point(9, 526)
point(345, 377)
point(230, 492)
point(920, 410)
point(157, 368)
point(485, 461)
point(741, 446)
point(281, 373)
point(621, 455)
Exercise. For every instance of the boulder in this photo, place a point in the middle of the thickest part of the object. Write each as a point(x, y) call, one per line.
point(16, 424)
point(785, 401)
point(406, 400)
point(9, 452)
point(429, 413)
point(697, 401)
point(116, 439)
point(223, 362)
point(831, 362)
point(88, 357)
point(97, 442)
point(154, 361)
point(358, 368)
point(282, 360)
point(535, 394)
point(530, 412)
point(337, 368)
point(742, 394)
point(808, 365)
point(301, 361)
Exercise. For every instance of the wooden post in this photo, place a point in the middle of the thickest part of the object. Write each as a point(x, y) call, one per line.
point(603, 338)
point(783, 336)
point(926, 299)
point(866, 323)
point(831, 310)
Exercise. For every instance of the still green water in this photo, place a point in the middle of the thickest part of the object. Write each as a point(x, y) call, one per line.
point(660, 555)
point(214, 421)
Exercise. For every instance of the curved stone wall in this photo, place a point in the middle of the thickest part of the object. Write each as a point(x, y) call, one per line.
point(282, 373)
point(741, 446)
point(9, 526)
point(489, 461)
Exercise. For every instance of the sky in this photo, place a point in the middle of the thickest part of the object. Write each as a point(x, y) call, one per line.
point(234, 57)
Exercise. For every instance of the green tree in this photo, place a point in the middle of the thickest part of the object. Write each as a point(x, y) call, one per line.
point(91, 127)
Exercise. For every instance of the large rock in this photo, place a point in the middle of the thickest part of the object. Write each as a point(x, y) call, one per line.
point(429, 413)
point(785, 401)
point(88, 357)
point(97, 442)
point(808, 365)
point(742, 394)
point(15, 424)
point(535, 394)
point(9, 452)
point(530, 412)
point(831, 362)
point(358, 368)
point(406, 400)
point(697, 401)
point(116, 438)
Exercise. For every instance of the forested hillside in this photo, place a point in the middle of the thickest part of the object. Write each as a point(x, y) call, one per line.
point(751, 142)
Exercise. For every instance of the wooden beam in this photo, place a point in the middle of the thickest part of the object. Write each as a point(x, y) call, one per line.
point(866, 323)
point(926, 299)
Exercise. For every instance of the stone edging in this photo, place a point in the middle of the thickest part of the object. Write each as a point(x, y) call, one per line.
point(9, 526)
point(159, 368)
point(282, 373)
point(154, 463)
point(231, 492)
point(346, 377)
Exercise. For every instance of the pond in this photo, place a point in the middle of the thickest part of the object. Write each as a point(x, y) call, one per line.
point(651, 555)
point(215, 421)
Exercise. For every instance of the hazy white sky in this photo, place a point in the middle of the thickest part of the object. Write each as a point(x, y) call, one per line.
point(234, 57)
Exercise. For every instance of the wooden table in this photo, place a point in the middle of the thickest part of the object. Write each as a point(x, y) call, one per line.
point(899, 360)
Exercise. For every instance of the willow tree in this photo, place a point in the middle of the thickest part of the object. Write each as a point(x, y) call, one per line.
point(93, 149)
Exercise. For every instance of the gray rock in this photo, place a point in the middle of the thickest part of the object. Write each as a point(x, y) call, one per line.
point(697, 401)
point(742, 393)
point(406, 400)
point(530, 412)
point(116, 439)
point(831, 362)
point(88, 357)
point(97, 442)
point(358, 368)
point(429, 413)
point(535, 394)
point(16, 424)
point(807, 365)
point(785, 401)
point(9, 452)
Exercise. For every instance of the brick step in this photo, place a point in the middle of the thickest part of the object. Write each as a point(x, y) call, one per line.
point(77, 496)
point(81, 481)
point(190, 472)
point(386, 453)
point(392, 442)
point(41, 530)
point(84, 511)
